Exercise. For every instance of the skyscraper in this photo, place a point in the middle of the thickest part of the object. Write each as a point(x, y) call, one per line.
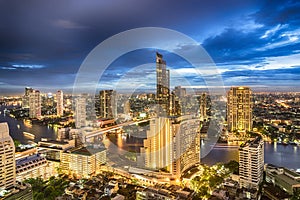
point(80, 112)
point(239, 109)
point(203, 107)
point(60, 103)
point(35, 104)
point(7, 161)
point(108, 107)
point(186, 146)
point(175, 107)
point(162, 86)
point(251, 163)
point(158, 145)
point(172, 144)
point(25, 99)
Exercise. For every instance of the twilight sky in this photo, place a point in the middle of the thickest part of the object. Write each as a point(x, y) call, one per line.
point(43, 43)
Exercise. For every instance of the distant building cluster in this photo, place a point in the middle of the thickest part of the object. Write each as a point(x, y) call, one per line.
point(33, 101)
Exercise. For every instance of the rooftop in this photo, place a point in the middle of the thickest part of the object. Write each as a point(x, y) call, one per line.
point(87, 151)
point(252, 143)
point(29, 159)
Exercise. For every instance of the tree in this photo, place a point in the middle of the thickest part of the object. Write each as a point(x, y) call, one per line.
point(233, 166)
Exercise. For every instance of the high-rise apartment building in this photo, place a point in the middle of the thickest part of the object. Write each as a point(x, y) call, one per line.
point(60, 103)
point(251, 163)
point(25, 99)
point(239, 109)
point(175, 105)
point(162, 86)
point(35, 110)
point(172, 144)
point(80, 112)
point(203, 103)
point(108, 104)
point(7, 161)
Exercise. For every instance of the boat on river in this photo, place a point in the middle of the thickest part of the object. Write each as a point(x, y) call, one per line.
point(29, 135)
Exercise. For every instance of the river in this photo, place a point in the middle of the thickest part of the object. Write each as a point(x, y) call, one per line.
point(17, 127)
point(277, 154)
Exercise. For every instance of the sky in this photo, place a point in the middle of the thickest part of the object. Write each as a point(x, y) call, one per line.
point(44, 43)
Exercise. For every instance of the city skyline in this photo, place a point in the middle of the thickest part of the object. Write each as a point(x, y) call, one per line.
point(253, 43)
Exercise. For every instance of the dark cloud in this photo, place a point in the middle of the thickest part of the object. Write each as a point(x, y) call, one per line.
point(59, 34)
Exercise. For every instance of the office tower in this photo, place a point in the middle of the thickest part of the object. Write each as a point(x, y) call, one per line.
point(25, 99)
point(108, 104)
point(239, 109)
point(80, 112)
point(7, 161)
point(60, 103)
point(203, 103)
point(172, 144)
point(162, 86)
point(251, 163)
point(35, 104)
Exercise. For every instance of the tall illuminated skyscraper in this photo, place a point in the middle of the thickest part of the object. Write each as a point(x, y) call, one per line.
point(108, 106)
point(35, 110)
point(7, 161)
point(172, 144)
point(251, 163)
point(186, 144)
point(80, 112)
point(162, 86)
point(158, 145)
point(239, 109)
point(60, 103)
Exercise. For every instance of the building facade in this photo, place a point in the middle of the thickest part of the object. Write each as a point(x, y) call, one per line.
point(34, 166)
point(7, 161)
point(108, 104)
point(239, 109)
point(60, 103)
point(186, 148)
point(162, 86)
point(25, 99)
point(172, 144)
point(203, 103)
point(80, 112)
point(83, 162)
point(251, 163)
point(35, 108)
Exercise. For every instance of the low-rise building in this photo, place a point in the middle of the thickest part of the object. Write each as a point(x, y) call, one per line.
point(282, 177)
point(20, 191)
point(34, 166)
point(83, 161)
